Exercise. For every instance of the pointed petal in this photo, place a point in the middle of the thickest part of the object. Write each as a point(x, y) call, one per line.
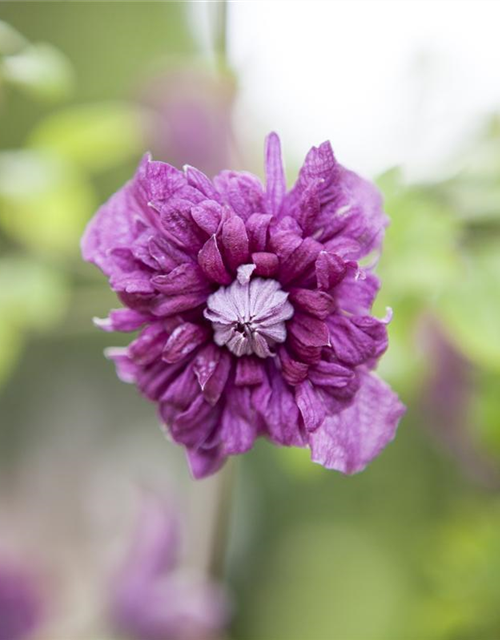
point(275, 174)
point(210, 260)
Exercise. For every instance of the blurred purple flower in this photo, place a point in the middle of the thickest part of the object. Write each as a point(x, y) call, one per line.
point(446, 399)
point(188, 118)
point(153, 599)
point(20, 602)
point(254, 307)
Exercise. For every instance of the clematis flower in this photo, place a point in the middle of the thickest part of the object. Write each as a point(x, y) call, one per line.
point(253, 309)
point(20, 602)
point(153, 598)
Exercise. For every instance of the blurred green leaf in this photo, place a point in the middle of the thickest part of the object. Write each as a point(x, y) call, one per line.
point(11, 41)
point(462, 571)
point(420, 250)
point(11, 341)
point(44, 200)
point(40, 70)
point(334, 572)
point(33, 296)
point(470, 308)
point(95, 136)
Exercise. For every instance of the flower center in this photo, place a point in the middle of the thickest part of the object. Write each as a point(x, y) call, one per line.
point(249, 316)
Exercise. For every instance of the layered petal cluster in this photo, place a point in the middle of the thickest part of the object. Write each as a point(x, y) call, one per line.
point(252, 308)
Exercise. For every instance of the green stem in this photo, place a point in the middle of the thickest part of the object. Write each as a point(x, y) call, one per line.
point(220, 35)
point(222, 519)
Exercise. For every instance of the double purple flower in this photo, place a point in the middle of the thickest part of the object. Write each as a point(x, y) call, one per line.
point(253, 310)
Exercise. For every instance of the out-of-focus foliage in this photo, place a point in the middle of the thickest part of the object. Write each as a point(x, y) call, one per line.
point(33, 297)
point(38, 69)
point(44, 200)
point(94, 136)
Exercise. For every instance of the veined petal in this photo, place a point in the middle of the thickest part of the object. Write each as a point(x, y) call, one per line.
point(234, 241)
point(310, 406)
point(275, 175)
point(349, 440)
point(210, 260)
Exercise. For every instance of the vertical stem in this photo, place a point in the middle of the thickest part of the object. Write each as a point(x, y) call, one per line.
point(222, 519)
point(220, 34)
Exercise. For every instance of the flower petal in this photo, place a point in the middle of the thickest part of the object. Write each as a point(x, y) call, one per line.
point(257, 227)
point(242, 191)
point(200, 181)
point(310, 406)
point(317, 303)
point(185, 278)
point(357, 339)
point(249, 371)
point(122, 320)
point(266, 264)
point(276, 405)
point(210, 260)
point(294, 372)
point(179, 226)
point(238, 426)
point(234, 241)
point(204, 462)
point(212, 367)
point(183, 340)
point(275, 175)
point(330, 270)
point(349, 440)
point(207, 215)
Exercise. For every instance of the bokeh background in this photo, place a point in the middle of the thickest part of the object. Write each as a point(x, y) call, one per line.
point(408, 550)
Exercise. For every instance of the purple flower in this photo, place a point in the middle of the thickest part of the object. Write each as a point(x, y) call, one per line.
point(188, 116)
point(20, 602)
point(254, 312)
point(152, 598)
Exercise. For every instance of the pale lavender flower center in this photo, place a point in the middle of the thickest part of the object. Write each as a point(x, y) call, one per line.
point(249, 316)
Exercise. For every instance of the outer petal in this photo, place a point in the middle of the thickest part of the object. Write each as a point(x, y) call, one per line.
point(357, 292)
point(204, 462)
point(275, 175)
point(122, 320)
point(357, 339)
point(350, 208)
point(349, 440)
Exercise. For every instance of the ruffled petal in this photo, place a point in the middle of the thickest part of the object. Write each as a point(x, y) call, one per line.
point(207, 215)
point(187, 277)
point(276, 405)
point(238, 425)
point(310, 406)
point(122, 320)
point(242, 191)
point(358, 339)
point(349, 440)
point(212, 367)
point(183, 340)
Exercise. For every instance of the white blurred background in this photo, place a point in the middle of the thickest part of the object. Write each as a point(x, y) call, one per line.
point(387, 81)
